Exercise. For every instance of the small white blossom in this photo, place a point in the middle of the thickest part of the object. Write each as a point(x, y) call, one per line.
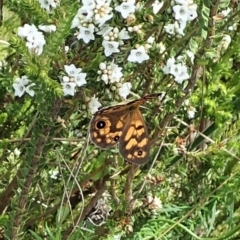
point(226, 12)
point(53, 174)
point(69, 88)
point(181, 74)
point(86, 33)
point(169, 28)
point(124, 34)
point(74, 75)
point(169, 65)
point(179, 71)
point(190, 55)
point(66, 49)
point(94, 104)
point(181, 12)
point(124, 90)
point(157, 6)
point(138, 55)
point(48, 4)
point(80, 79)
point(191, 112)
point(27, 30)
point(151, 40)
point(21, 86)
point(71, 70)
point(110, 47)
point(35, 39)
point(17, 152)
point(126, 8)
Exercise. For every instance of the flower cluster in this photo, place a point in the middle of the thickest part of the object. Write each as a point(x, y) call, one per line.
point(22, 85)
point(110, 73)
point(184, 11)
point(92, 17)
point(92, 20)
point(178, 70)
point(75, 78)
point(35, 38)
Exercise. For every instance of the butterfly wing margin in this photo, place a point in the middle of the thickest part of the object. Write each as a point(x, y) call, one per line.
point(134, 142)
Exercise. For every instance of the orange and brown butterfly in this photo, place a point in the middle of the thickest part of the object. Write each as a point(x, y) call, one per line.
point(123, 124)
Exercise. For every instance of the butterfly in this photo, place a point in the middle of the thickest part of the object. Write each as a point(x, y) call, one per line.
point(125, 125)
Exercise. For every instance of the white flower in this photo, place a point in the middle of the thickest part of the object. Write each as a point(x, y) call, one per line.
point(20, 86)
point(181, 73)
point(48, 4)
point(69, 88)
point(169, 28)
point(157, 6)
point(190, 55)
point(124, 34)
point(71, 70)
point(66, 49)
point(116, 73)
point(185, 12)
point(27, 30)
point(192, 13)
point(35, 43)
point(94, 104)
point(191, 112)
point(74, 75)
point(48, 28)
point(110, 47)
point(17, 152)
point(169, 65)
point(124, 90)
point(175, 69)
point(53, 174)
point(80, 79)
point(151, 40)
point(35, 39)
point(126, 8)
point(86, 33)
point(138, 55)
point(181, 12)
point(226, 12)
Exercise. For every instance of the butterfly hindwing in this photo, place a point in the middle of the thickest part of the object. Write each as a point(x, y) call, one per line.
point(134, 142)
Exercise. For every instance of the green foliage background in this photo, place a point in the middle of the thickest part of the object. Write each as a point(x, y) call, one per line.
point(198, 186)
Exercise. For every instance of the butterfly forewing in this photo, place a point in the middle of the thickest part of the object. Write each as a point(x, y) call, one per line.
point(106, 126)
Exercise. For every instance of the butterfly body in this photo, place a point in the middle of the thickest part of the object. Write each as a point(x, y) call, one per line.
point(123, 124)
